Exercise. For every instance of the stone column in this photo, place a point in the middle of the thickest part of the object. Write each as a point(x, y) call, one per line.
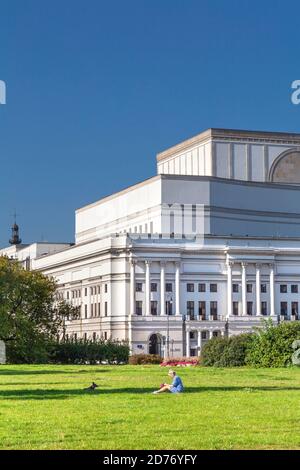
point(162, 288)
point(177, 289)
point(132, 287)
point(132, 302)
point(147, 288)
point(188, 347)
point(199, 342)
point(257, 285)
point(229, 289)
point(244, 290)
point(272, 290)
point(89, 301)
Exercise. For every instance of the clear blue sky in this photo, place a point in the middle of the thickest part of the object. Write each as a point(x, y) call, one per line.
point(96, 88)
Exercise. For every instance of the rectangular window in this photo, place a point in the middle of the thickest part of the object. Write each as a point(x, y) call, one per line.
point(235, 288)
point(213, 287)
point(283, 288)
point(249, 288)
point(92, 310)
point(235, 308)
point(169, 307)
point(249, 308)
point(139, 307)
point(190, 309)
point(105, 335)
point(105, 309)
point(85, 311)
point(202, 309)
point(98, 289)
point(153, 287)
point(294, 308)
point(139, 287)
point(85, 336)
point(203, 334)
point(283, 308)
point(94, 336)
point(169, 287)
point(190, 287)
point(263, 288)
point(294, 288)
point(153, 307)
point(214, 308)
point(85, 291)
point(192, 335)
point(264, 308)
point(105, 288)
point(201, 288)
point(99, 309)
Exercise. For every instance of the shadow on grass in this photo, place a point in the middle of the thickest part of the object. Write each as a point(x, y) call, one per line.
point(12, 372)
point(45, 394)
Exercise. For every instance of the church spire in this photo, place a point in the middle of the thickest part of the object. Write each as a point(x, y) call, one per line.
point(15, 239)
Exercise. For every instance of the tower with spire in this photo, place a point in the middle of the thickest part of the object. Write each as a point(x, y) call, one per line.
point(15, 239)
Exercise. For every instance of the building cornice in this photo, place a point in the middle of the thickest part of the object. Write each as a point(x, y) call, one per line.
point(283, 138)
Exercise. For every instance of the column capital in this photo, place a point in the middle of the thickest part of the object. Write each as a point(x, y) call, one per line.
point(244, 264)
point(230, 263)
point(177, 264)
point(148, 262)
point(258, 265)
point(163, 263)
point(133, 261)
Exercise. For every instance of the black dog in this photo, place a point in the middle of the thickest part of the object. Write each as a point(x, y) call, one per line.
point(92, 387)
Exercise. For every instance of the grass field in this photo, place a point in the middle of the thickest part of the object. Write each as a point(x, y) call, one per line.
point(45, 407)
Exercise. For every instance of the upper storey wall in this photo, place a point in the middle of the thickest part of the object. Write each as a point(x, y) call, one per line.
point(135, 209)
point(240, 155)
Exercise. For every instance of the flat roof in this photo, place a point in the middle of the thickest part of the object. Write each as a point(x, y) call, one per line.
point(234, 134)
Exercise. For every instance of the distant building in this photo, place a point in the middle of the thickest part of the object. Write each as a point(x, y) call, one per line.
point(25, 253)
point(209, 246)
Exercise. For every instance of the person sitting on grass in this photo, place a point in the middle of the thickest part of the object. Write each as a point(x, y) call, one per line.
point(175, 387)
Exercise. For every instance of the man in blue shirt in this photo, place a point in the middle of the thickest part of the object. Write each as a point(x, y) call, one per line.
point(175, 387)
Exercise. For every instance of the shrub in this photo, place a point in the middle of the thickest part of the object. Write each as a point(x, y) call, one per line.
point(137, 359)
point(226, 352)
point(271, 346)
point(89, 352)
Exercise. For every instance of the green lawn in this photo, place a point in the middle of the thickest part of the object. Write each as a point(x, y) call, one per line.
point(45, 407)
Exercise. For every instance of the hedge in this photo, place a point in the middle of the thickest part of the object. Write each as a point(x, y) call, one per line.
point(226, 352)
point(271, 346)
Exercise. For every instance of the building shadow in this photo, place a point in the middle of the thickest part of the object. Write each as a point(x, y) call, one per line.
point(12, 372)
point(59, 394)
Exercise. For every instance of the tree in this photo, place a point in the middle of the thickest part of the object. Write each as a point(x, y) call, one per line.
point(30, 314)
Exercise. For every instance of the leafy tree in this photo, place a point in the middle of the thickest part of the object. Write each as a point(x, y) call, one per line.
point(30, 313)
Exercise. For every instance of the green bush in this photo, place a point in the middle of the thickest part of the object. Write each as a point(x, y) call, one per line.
point(271, 346)
point(67, 352)
point(226, 352)
point(28, 349)
point(89, 352)
point(137, 359)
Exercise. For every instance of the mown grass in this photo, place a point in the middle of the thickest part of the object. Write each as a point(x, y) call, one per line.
point(45, 407)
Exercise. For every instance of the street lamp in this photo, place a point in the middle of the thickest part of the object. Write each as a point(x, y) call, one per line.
point(169, 304)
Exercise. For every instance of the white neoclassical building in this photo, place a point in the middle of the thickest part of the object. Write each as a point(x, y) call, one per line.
point(209, 246)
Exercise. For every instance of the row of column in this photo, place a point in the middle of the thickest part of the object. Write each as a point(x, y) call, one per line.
point(244, 288)
point(199, 339)
point(148, 288)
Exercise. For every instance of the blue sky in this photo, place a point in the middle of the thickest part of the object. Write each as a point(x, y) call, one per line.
point(96, 88)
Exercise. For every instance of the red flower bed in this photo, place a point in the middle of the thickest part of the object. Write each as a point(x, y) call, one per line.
point(180, 362)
